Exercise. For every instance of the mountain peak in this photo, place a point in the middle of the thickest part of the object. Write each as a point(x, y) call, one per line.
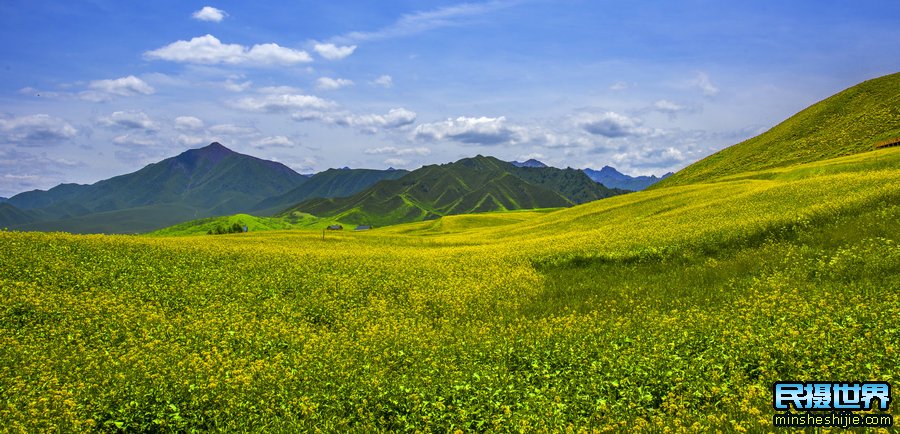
point(531, 162)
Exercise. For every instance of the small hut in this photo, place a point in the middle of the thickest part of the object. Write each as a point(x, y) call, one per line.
point(335, 228)
point(363, 228)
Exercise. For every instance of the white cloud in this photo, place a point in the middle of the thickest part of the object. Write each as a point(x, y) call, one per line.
point(279, 90)
point(128, 120)
point(702, 82)
point(366, 123)
point(209, 50)
point(283, 102)
point(395, 118)
point(326, 83)
point(384, 81)
point(396, 162)
point(391, 150)
point(611, 124)
point(334, 52)
point(209, 13)
point(190, 140)
point(125, 86)
point(418, 22)
point(132, 141)
point(37, 129)
point(232, 130)
point(478, 131)
point(672, 109)
point(235, 86)
point(188, 123)
point(273, 142)
point(620, 85)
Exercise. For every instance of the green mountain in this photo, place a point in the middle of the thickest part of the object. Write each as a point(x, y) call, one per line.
point(10, 215)
point(209, 181)
point(330, 183)
point(470, 185)
point(850, 122)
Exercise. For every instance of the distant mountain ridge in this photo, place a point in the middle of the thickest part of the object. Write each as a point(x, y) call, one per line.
point(470, 185)
point(612, 178)
point(528, 163)
point(208, 181)
point(330, 183)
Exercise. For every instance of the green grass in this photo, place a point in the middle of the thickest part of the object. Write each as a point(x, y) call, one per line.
point(253, 223)
point(674, 308)
point(849, 122)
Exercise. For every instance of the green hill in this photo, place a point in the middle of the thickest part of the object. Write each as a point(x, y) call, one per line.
point(849, 122)
point(254, 224)
point(197, 183)
point(10, 215)
point(330, 183)
point(470, 185)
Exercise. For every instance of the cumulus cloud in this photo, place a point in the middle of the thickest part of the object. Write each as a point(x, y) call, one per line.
point(209, 13)
point(620, 85)
point(191, 140)
point(702, 82)
point(611, 124)
point(326, 83)
point(334, 52)
point(395, 118)
point(650, 158)
point(384, 81)
point(273, 103)
point(125, 86)
point(128, 120)
point(366, 123)
point(134, 141)
point(35, 130)
point(391, 150)
point(273, 142)
point(188, 123)
point(209, 50)
point(471, 130)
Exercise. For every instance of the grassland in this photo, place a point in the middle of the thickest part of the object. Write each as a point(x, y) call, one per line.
point(674, 308)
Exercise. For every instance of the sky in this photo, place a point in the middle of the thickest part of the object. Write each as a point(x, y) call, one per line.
point(94, 89)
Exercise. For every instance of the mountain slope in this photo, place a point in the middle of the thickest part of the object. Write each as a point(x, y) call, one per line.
point(470, 185)
point(612, 178)
point(330, 183)
point(10, 215)
point(212, 180)
point(849, 122)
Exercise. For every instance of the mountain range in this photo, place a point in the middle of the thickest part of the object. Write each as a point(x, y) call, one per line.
point(470, 185)
point(612, 178)
point(216, 181)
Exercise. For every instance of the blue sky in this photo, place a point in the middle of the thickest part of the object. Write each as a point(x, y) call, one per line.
point(93, 89)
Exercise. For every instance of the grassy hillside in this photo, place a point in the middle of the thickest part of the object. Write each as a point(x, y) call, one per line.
point(849, 122)
point(253, 223)
point(10, 215)
point(669, 309)
point(470, 185)
point(330, 183)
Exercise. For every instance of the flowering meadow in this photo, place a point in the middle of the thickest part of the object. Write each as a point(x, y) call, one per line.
point(669, 310)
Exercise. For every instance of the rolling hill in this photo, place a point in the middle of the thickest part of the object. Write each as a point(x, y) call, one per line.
point(330, 183)
point(612, 178)
point(470, 185)
point(849, 122)
point(209, 181)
